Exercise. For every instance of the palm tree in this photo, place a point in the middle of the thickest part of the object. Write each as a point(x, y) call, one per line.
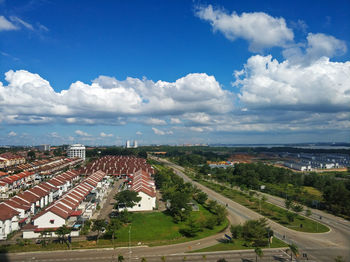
point(258, 253)
point(293, 250)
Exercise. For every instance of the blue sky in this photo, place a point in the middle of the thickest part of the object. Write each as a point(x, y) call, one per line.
point(101, 72)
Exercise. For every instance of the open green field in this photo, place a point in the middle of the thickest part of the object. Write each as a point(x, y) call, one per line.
point(268, 210)
point(238, 244)
point(313, 191)
point(151, 228)
point(158, 228)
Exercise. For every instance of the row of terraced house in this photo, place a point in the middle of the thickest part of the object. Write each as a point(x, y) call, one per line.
point(26, 210)
point(12, 184)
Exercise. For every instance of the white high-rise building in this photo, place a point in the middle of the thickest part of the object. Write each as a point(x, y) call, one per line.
point(135, 144)
point(76, 150)
point(127, 145)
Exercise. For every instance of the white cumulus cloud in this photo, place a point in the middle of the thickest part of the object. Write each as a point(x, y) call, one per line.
point(81, 133)
point(259, 29)
point(155, 121)
point(6, 25)
point(320, 86)
point(30, 97)
point(12, 133)
point(102, 134)
point(161, 132)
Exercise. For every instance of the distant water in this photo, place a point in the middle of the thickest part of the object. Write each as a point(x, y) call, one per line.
point(281, 145)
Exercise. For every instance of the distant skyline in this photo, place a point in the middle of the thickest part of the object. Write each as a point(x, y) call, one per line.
point(174, 72)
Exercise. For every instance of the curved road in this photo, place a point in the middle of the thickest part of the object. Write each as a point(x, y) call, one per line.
point(319, 246)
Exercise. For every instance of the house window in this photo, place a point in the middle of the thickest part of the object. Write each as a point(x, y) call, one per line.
point(52, 221)
point(139, 205)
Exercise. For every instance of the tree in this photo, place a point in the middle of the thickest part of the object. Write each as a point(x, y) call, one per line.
point(201, 197)
point(31, 155)
point(221, 260)
point(236, 231)
point(255, 232)
point(179, 208)
point(221, 214)
point(62, 232)
point(142, 154)
point(339, 259)
point(290, 216)
point(112, 227)
point(258, 253)
point(99, 225)
point(293, 250)
point(143, 259)
point(288, 203)
point(127, 198)
point(297, 208)
point(191, 229)
point(43, 235)
point(120, 258)
point(308, 212)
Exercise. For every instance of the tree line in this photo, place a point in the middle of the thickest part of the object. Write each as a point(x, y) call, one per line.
point(335, 192)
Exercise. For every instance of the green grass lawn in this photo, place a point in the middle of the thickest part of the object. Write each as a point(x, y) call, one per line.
point(238, 244)
point(158, 227)
point(272, 212)
point(149, 228)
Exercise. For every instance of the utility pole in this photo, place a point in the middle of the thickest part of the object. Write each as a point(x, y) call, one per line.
point(130, 243)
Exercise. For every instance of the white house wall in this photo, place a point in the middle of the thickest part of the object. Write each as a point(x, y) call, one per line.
point(44, 220)
point(147, 203)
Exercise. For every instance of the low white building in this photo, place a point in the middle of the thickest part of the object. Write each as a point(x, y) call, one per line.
point(144, 185)
point(8, 220)
point(76, 150)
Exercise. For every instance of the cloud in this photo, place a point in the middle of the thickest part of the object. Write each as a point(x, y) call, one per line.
point(29, 96)
point(81, 133)
point(102, 134)
point(317, 46)
point(6, 25)
point(139, 133)
point(174, 120)
point(322, 86)
point(19, 21)
point(54, 135)
point(12, 133)
point(155, 121)
point(259, 29)
point(161, 132)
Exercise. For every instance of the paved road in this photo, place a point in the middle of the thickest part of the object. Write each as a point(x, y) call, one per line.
point(151, 254)
point(319, 246)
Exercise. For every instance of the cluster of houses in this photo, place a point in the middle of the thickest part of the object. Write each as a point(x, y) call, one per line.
point(9, 159)
point(45, 166)
point(18, 210)
point(137, 173)
point(12, 184)
point(314, 162)
point(119, 166)
point(68, 208)
point(71, 197)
